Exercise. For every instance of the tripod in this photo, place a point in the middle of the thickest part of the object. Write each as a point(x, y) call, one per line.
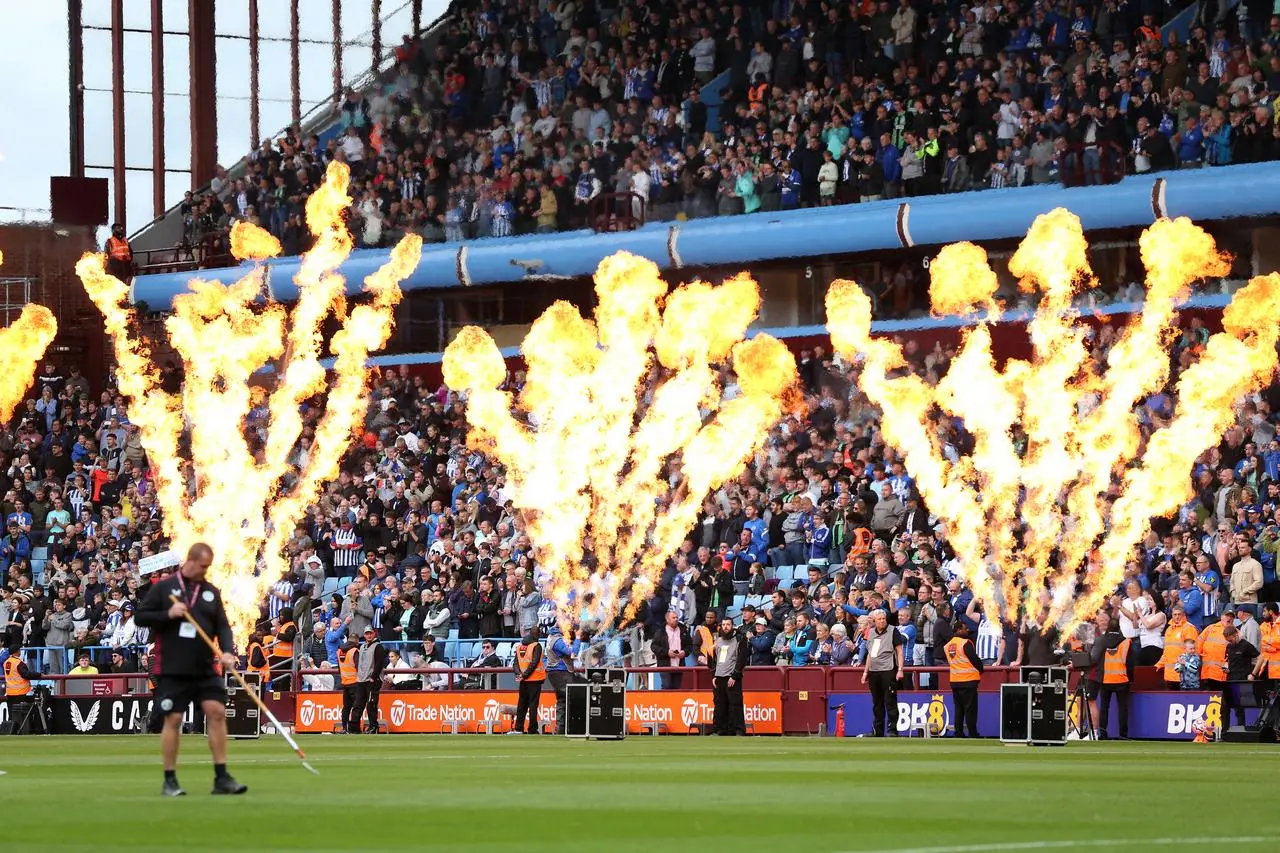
point(1079, 716)
point(28, 717)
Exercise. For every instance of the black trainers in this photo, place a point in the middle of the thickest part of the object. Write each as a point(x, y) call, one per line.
point(172, 789)
point(228, 785)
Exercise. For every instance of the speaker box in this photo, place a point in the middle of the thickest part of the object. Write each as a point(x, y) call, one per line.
point(577, 701)
point(78, 201)
point(1015, 713)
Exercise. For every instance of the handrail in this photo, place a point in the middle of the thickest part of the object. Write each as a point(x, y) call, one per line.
point(1111, 169)
point(212, 250)
point(610, 212)
point(74, 651)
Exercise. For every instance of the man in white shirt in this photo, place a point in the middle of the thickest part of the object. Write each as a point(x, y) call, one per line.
point(640, 182)
point(546, 123)
point(404, 431)
point(401, 680)
point(318, 683)
point(353, 147)
point(1133, 607)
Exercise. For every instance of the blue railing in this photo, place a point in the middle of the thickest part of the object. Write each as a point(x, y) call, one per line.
point(1181, 22)
point(710, 92)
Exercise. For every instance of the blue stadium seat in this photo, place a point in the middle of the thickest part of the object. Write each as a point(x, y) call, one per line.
point(739, 601)
point(40, 552)
point(329, 588)
point(503, 651)
point(733, 612)
point(785, 574)
point(343, 583)
point(757, 601)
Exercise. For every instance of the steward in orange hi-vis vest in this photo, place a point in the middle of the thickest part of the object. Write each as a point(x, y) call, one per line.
point(531, 673)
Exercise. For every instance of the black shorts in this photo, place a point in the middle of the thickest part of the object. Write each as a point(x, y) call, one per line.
point(1092, 688)
point(174, 692)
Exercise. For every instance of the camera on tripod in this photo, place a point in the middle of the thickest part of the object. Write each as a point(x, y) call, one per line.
point(29, 715)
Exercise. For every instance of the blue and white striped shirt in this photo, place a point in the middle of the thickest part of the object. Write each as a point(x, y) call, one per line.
point(276, 606)
point(503, 213)
point(987, 642)
point(1211, 578)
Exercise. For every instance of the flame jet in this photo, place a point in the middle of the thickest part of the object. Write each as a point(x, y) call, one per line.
point(623, 426)
point(1079, 485)
point(244, 500)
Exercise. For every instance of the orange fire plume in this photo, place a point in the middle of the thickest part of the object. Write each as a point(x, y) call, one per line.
point(244, 501)
point(21, 346)
point(1078, 419)
point(622, 427)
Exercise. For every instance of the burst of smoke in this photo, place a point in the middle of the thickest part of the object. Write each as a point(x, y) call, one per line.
point(622, 427)
point(1083, 486)
point(241, 499)
point(21, 346)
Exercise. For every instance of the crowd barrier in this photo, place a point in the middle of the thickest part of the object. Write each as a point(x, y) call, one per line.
point(778, 700)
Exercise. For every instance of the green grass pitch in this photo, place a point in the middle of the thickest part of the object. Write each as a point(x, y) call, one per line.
point(643, 795)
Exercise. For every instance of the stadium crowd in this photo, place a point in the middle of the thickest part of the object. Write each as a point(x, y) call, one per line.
point(518, 115)
point(512, 123)
point(417, 542)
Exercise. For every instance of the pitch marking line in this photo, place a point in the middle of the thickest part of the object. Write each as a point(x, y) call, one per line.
point(1069, 845)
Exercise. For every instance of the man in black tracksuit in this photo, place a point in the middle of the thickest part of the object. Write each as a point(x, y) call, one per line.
point(183, 664)
point(371, 660)
point(727, 660)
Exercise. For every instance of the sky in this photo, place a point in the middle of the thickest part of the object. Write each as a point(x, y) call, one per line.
point(33, 60)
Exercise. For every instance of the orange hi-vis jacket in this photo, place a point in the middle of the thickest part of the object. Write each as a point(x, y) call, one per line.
point(347, 667)
point(525, 654)
point(962, 669)
point(1174, 637)
point(14, 683)
point(118, 249)
point(1271, 648)
point(706, 641)
point(282, 648)
point(1115, 664)
point(1212, 647)
point(263, 669)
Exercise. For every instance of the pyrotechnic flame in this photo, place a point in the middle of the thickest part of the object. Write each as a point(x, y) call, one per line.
point(611, 412)
point(250, 242)
point(21, 346)
point(245, 503)
point(1079, 418)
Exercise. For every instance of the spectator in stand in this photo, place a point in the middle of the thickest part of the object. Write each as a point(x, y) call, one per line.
point(514, 123)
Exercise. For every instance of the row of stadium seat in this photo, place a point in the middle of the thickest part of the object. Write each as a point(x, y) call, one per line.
point(39, 556)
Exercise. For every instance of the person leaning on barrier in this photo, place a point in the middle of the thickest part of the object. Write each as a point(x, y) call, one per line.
point(17, 678)
point(559, 663)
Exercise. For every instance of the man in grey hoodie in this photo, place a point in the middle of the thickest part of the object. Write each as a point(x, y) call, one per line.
point(57, 627)
point(357, 609)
